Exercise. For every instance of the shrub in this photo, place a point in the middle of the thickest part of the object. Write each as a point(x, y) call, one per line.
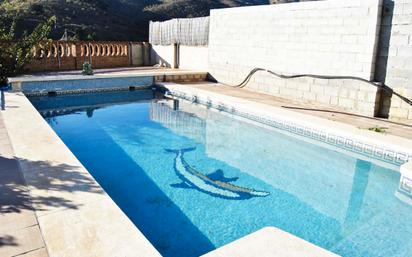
point(16, 52)
point(87, 69)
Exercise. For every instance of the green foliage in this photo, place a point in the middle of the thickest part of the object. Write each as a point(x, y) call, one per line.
point(87, 69)
point(182, 8)
point(378, 129)
point(15, 52)
point(168, 9)
point(107, 19)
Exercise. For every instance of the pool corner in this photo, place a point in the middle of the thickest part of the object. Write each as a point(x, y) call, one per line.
point(268, 242)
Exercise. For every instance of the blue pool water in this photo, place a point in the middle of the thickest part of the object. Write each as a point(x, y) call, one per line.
point(193, 180)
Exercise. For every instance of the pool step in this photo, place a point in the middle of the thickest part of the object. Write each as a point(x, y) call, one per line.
point(193, 77)
point(404, 192)
point(270, 242)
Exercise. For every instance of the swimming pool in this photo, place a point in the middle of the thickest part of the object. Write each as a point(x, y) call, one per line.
point(195, 179)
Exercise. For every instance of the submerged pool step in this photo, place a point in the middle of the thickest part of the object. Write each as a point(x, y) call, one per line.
point(404, 192)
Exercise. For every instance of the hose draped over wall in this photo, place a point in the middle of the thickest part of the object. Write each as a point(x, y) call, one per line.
point(382, 86)
point(190, 32)
point(195, 32)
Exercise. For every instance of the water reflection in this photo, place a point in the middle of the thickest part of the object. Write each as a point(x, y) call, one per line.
point(333, 200)
point(358, 191)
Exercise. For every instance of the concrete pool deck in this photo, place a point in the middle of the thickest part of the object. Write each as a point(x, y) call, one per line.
point(66, 212)
point(20, 232)
point(349, 136)
point(266, 242)
point(103, 73)
point(73, 82)
point(401, 128)
point(73, 216)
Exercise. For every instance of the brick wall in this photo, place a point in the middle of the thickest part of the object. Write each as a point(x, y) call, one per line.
point(335, 37)
point(71, 55)
point(140, 54)
point(394, 66)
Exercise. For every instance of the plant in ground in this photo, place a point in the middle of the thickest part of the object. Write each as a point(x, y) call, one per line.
point(15, 52)
point(87, 69)
point(378, 129)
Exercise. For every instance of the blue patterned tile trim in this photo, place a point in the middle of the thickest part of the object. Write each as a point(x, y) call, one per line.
point(371, 151)
point(85, 91)
point(85, 84)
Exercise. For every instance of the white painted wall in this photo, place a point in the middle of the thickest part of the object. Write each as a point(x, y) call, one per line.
point(162, 54)
point(193, 57)
point(190, 57)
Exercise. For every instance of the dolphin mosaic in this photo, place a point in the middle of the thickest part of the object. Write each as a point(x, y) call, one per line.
point(215, 184)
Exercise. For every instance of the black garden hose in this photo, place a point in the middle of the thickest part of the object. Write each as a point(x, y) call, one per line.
point(382, 86)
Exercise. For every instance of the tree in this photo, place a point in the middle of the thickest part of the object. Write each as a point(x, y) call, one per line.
point(16, 52)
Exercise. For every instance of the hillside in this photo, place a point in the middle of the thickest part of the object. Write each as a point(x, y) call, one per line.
point(107, 19)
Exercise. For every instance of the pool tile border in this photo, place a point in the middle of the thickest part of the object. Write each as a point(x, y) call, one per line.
point(366, 149)
point(84, 91)
point(95, 225)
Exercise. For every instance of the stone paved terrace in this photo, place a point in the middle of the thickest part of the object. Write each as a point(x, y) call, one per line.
point(49, 204)
point(19, 230)
point(399, 127)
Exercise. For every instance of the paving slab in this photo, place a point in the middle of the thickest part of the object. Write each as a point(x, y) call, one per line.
point(270, 242)
point(398, 127)
point(75, 215)
point(19, 230)
point(35, 253)
point(16, 242)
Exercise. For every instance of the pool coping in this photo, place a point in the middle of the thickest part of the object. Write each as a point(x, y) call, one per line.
point(265, 243)
point(148, 73)
point(382, 147)
point(79, 218)
point(59, 233)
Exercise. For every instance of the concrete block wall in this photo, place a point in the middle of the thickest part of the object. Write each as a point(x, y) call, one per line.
point(346, 94)
point(394, 65)
point(193, 57)
point(188, 57)
point(335, 37)
point(140, 54)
